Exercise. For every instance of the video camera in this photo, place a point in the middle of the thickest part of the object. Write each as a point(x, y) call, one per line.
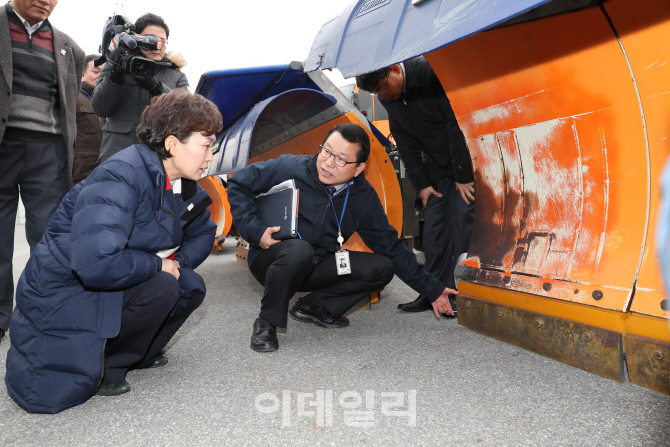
point(119, 32)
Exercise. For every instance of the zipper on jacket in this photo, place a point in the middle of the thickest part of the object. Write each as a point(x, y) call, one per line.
point(28, 35)
point(102, 371)
point(163, 192)
point(323, 219)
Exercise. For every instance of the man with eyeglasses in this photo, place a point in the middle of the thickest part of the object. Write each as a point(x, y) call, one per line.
point(121, 97)
point(335, 201)
point(437, 161)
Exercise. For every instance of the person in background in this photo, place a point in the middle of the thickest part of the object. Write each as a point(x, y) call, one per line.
point(89, 125)
point(40, 68)
point(437, 161)
point(121, 97)
point(113, 278)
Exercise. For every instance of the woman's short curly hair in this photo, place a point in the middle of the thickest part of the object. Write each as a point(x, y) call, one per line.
point(179, 113)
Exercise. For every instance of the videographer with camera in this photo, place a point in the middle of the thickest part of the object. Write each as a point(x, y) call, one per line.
point(137, 70)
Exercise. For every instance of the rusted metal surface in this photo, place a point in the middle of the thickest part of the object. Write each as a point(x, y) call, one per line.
point(242, 250)
point(566, 119)
point(365, 303)
point(645, 337)
point(590, 348)
point(648, 363)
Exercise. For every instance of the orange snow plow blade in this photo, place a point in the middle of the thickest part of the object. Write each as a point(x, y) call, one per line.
point(567, 120)
point(219, 209)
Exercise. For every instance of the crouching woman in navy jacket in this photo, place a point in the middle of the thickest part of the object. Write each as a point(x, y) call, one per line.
point(112, 279)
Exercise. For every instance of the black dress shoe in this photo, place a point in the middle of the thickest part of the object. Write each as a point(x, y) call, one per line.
point(159, 360)
point(264, 338)
point(113, 389)
point(454, 307)
point(319, 316)
point(2, 333)
point(418, 305)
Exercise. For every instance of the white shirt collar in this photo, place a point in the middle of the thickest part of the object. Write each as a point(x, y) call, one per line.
point(30, 29)
point(339, 188)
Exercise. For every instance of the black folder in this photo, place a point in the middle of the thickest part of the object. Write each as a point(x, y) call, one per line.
point(278, 207)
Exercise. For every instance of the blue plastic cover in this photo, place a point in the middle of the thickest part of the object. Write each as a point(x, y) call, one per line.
point(271, 118)
point(372, 34)
point(238, 90)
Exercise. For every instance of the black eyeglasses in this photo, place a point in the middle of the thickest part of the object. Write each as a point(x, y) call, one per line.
point(383, 89)
point(339, 161)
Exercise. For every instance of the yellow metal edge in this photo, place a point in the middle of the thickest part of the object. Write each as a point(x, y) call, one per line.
point(579, 313)
point(648, 326)
point(633, 323)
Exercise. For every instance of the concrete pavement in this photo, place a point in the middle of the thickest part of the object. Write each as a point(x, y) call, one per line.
point(389, 379)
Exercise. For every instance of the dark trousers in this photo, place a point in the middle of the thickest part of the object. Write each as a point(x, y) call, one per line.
point(288, 267)
point(147, 325)
point(447, 230)
point(37, 171)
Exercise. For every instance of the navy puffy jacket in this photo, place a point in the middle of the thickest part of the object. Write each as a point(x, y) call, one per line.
point(102, 238)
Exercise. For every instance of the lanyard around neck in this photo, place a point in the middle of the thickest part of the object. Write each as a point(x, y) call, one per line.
point(85, 93)
point(340, 239)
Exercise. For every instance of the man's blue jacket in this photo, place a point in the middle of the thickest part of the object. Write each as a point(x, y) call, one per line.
point(102, 239)
point(316, 220)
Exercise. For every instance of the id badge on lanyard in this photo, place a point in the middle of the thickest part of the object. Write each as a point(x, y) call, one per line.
point(342, 261)
point(342, 256)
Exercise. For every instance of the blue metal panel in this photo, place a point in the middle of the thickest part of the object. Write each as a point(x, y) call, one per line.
point(236, 91)
point(270, 118)
point(372, 34)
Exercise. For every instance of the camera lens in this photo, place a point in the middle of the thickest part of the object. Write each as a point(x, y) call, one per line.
point(142, 67)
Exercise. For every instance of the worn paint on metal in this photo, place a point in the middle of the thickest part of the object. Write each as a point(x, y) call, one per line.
point(590, 348)
point(648, 363)
point(553, 120)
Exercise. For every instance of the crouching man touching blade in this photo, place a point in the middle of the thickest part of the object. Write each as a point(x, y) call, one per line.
point(335, 202)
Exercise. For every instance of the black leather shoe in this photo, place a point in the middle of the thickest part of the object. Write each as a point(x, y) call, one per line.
point(264, 338)
point(159, 360)
point(2, 334)
point(319, 316)
point(454, 307)
point(114, 389)
point(418, 305)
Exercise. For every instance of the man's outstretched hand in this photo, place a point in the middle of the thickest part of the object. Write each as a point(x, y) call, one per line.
point(442, 304)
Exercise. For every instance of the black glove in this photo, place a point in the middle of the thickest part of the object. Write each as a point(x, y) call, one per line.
point(117, 74)
point(152, 85)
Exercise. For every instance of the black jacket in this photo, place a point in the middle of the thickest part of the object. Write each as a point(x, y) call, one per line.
point(316, 221)
point(123, 105)
point(427, 125)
